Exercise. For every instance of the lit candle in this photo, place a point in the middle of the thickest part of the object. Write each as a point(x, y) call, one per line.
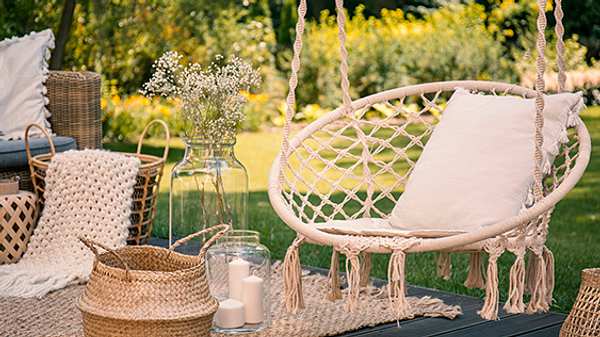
point(252, 297)
point(230, 314)
point(238, 270)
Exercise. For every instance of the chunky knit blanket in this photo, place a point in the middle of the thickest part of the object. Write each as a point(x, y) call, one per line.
point(88, 194)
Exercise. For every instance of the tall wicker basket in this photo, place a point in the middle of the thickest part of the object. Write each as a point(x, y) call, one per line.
point(584, 318)
point(145, 191)
point(145, 291)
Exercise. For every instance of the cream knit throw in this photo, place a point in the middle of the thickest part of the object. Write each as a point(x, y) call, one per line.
point(88, 193)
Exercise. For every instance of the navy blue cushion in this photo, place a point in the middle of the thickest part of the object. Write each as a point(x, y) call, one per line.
point(13, 155)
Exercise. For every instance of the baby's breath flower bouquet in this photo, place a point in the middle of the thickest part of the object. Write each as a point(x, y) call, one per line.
point(211, 98)
point(209, 185)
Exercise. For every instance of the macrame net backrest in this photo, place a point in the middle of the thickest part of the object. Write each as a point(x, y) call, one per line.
point(359, 157)
point(357, 164)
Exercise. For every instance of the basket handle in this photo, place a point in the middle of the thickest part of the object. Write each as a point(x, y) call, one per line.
point(50, 142)
point(223, 229)
point(167, 137)
point(92, 245)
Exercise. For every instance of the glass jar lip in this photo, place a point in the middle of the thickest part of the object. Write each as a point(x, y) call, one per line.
point(208, 142)
point(240, 236)
point(242, 232)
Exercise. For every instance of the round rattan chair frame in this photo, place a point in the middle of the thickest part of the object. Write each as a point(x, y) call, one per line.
point(461, 242)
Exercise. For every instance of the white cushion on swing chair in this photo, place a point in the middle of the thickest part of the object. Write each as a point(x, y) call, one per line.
point(477, 167)
point(378, 227)
point(475, 170)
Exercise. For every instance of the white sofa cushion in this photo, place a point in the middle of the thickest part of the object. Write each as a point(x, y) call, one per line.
point(23, 72)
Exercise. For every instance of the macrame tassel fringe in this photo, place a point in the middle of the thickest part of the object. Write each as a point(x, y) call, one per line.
point(365, 269)
point(397, 286)
point(475, 277)
point(335, 292)
point(531, 274)
point(538, 301)
point(515, 304)
point(292, 278)
point(549, 259)
point(444, 265)
point(353, 276)
point(490, 304)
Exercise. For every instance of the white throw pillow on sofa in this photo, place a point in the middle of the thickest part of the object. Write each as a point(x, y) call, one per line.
point(23, 72)
point(477, 168)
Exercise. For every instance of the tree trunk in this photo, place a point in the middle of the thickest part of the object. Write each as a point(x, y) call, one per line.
point(62, 36)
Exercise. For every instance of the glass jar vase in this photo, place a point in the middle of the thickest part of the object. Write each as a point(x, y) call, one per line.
point(239, 276)
point(209, 186)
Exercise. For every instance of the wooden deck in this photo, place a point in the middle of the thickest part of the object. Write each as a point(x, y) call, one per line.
point(469, 324)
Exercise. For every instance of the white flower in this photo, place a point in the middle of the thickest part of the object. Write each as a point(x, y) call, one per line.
point(211, 98)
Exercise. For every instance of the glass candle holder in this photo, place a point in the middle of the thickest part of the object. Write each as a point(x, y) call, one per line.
point(239, 275)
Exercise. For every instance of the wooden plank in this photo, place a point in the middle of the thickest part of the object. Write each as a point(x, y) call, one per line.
point(551, 331)
point(514, 325)
point(433, 326)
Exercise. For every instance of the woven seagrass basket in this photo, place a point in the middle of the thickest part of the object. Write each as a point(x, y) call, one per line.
point(18, 214)
point(9, 186)
point(145, 191)
point(146, 291)
point(584, 318)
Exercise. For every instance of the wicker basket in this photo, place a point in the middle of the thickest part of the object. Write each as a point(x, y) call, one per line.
point(145, 191)
point(149, 291)
point(18, 213)
point(584, 318)
point(9, 186)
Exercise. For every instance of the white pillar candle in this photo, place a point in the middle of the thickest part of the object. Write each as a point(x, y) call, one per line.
point(252, 297)
point(230, 314)
point(238, 270)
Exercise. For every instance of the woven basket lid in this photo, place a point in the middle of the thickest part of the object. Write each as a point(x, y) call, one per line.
point(159, 285)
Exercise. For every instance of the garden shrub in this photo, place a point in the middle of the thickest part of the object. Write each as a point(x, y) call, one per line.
point(449, 43)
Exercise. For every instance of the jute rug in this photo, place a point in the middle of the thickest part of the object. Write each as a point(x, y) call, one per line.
point(56, 315)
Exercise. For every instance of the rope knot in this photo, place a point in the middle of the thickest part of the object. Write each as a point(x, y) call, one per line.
point(352, 248)
point(396, 276)
point(494, 247)
point(292, 277)
point(514, 303)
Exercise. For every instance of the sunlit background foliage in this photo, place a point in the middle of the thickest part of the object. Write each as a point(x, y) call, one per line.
point(391, 43)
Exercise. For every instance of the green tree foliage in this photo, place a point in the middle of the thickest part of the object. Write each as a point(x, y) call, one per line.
point(19, 17)
point(582, 17)
point(450, 43)
point(288, 16)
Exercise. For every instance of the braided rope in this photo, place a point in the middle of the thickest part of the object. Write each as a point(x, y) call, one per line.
point(560, 46)
point(293, 83)
point(539, 101)
point(345, 84)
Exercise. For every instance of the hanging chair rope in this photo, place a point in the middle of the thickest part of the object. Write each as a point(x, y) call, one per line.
point(560, 45)
point(293, 83)
point(344, 83)
point(538, 189)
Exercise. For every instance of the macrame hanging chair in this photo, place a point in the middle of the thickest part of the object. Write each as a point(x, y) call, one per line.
point(305, 187)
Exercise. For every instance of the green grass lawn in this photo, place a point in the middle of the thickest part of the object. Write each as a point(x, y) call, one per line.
point(574, 234)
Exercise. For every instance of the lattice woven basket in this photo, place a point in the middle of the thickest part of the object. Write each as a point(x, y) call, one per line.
point(584, 318)
point(9, 186)
point(145, 191)
point(18, 213)
point(146, 291)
